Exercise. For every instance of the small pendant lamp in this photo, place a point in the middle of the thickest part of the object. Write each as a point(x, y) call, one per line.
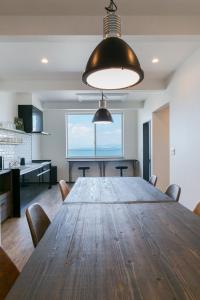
point(113, 64)
point(102, 115)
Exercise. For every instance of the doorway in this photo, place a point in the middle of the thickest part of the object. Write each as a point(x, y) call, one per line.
point(147, 150)
point(160, 146)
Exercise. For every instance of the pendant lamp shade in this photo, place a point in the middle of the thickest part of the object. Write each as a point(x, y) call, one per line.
point(113, 65)
point(102, 115)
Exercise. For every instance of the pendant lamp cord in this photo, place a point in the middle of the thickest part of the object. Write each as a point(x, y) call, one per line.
point(112, 7)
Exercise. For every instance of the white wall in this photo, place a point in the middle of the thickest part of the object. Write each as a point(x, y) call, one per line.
point(130, 134)
point(153, 103)
point(8, 107)
point(54, 146)
point(183, 93)
point(36, 138)
point(9, 110)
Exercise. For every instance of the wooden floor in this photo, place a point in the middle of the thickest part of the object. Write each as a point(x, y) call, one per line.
point(15, 234)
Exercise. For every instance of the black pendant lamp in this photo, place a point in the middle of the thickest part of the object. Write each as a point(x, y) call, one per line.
point(102, 115)
point(113, 64)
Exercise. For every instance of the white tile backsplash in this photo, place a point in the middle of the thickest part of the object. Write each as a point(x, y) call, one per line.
point(13, 152)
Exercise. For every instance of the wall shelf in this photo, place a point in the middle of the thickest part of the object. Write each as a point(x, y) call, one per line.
point(10, 143)
point(14, 130)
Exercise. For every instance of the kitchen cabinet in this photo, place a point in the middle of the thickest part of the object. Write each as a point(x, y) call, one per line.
point(28, 182)
point(5, 195)
point(32, 118)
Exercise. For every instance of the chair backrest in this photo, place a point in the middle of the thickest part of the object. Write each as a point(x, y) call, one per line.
point(8, 274)
point(197, 209)
point(64, 189)
point(173, 191)
point(38, 222)
point(153, 180)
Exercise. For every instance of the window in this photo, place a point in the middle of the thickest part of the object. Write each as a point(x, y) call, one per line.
point(86, 139)
point(80, 136)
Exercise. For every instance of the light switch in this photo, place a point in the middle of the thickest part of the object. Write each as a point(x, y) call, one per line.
point(173, 151)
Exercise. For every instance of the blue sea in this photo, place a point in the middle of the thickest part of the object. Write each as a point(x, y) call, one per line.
point(100, 152)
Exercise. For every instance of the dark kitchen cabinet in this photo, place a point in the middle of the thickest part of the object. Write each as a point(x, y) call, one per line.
point(28, 183)
point(5, 196)
point(32, 118)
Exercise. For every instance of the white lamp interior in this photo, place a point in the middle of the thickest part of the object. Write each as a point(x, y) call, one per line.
point(113, 78)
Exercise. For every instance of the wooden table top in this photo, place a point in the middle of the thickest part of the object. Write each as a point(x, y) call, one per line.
point(115, 251)
point(114, 189)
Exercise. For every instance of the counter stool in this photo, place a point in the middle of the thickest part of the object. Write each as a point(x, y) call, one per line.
point(121, 168)
point(84, 169)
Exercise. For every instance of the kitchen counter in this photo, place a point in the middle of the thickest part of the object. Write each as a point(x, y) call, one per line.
point(2, 172)
point(32, 167)
point(101, 162)
point(27, 168)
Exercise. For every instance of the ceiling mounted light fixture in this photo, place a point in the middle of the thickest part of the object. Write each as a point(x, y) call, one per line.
point(155, 60)
point(113, 64)
point(102, 115)
point(44, 60)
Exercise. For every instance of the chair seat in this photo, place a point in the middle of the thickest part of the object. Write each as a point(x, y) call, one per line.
point(84, 168)
point(121, 167)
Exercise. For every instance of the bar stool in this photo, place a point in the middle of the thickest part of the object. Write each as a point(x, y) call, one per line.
point(121, 168)
point(84, 169)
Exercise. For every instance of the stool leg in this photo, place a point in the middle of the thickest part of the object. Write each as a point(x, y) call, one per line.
point(83, 172)
point(121, 172)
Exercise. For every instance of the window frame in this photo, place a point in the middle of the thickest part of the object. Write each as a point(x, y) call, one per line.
point(94, 157)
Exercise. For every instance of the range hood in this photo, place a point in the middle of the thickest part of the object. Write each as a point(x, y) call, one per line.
point(32, 119)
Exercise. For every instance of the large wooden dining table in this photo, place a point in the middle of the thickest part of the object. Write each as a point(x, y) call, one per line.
point(115, 250)
point(114, 189)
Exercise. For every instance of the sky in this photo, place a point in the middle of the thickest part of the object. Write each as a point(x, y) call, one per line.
point(81, 132)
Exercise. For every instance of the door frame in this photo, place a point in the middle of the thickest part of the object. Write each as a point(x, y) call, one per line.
point(147, 153)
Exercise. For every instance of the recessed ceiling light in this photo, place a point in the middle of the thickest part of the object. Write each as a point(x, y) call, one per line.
point(44, 60)
point(155, 60)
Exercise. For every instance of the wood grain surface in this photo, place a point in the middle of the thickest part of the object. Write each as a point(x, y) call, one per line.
point(114, 189)
point(115, 251)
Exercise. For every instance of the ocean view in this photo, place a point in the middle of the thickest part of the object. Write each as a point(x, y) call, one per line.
point(87, 140)
point(100, 152)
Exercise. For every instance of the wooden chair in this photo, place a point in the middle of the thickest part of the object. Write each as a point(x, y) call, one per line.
point(8, 274)
point(197, 210)
point(64, 189)
point(38, 222)
point(173, 191)
point(153, 180)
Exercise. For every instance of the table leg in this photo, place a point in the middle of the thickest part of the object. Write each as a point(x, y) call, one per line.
point(70, 171)
point(103, 165)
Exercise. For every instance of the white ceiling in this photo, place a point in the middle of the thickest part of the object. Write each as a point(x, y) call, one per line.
point(20, 57)
point(96, 7)
point(20, 62)
point(81, 96)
